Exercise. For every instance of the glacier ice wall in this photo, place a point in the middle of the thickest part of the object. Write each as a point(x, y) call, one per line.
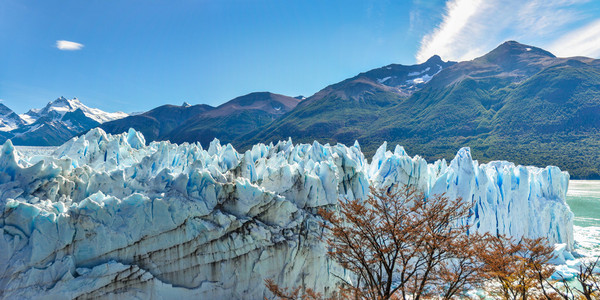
point(107, 216)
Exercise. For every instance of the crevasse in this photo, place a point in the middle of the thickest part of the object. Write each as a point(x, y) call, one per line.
point(106, 216)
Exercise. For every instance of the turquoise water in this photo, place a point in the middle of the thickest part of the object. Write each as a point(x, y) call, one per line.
point(583, 197)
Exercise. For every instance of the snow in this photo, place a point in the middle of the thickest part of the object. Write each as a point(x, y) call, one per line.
point(419, 73)
point(27, 118)
point(422, 79)
point(382, 80)
point(586, 250)
point(8, 119)
point(59, 107)
point(7, 125)
point(108, 215)
point(101, 116)
point(31, 129)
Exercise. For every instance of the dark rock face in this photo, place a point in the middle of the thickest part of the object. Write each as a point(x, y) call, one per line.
point(203, 123)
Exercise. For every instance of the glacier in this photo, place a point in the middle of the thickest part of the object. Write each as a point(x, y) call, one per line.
point(107, 216)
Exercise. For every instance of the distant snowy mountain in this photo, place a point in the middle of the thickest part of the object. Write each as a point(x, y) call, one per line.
point(517, 102)
point(58, 108)
point(54, 124)
point(9, 120)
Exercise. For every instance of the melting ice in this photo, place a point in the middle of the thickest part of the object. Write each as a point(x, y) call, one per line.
point(107, 215)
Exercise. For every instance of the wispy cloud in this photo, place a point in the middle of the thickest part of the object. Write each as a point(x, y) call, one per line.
point(68, 45)
point(448, 37)
point(583, 41)
point(470, 28)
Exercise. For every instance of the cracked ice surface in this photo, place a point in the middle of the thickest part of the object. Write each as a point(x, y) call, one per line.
point(106, 216)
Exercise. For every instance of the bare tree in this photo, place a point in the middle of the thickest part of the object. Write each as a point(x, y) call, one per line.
point(463, 270)
point(401, 244)
point(519, 267)
point(291, 294)
point(588, 279)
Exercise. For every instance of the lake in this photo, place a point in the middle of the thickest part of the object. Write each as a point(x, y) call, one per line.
point(584, 199)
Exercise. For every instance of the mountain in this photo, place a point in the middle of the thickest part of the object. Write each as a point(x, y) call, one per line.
point(158, 122)
point(518, 102)
point(52, 131)
point(58, 108)
point(345, 110)
point(203, 123)
point(56, 123)
point(233, 118)
point(528, 106)
point(9, 120)
point(510, 61)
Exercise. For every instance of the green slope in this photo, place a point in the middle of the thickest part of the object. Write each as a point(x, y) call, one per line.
point(346, 111)
point(156, 123)
point(331, 119)
point(552, 118)
point(517, 103)
point(233, 119)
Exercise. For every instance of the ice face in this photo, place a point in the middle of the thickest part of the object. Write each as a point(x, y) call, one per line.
point(106, 214)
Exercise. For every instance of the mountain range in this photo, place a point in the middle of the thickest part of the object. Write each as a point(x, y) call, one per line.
point(517, 102)
point(53, 124)
point(202, 123)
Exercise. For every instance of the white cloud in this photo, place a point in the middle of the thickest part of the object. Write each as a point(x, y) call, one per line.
point(470, 28)
point(583, 41)
point(455, 21)
point(68, 45)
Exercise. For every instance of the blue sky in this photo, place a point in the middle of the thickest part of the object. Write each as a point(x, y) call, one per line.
point(136, 55)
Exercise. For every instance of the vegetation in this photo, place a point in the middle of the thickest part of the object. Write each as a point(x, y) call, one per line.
point(517, 103)
point(225, 128)
point(519, 269)
point(203, 123)
point(328, 119)
point(589, 282)
point(400, 245)
point(528, 107)
point(157, 123)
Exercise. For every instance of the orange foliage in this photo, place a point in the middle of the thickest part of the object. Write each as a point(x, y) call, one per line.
point(402, 245)
point(520, 268)
point(293, 294)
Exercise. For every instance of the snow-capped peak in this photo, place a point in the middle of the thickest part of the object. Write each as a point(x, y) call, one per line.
point(185, 104)
point(9, 120)
point(59, 107)
point(4, 110)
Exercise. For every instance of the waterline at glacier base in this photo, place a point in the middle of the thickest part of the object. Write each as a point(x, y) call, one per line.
point(107, 216)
